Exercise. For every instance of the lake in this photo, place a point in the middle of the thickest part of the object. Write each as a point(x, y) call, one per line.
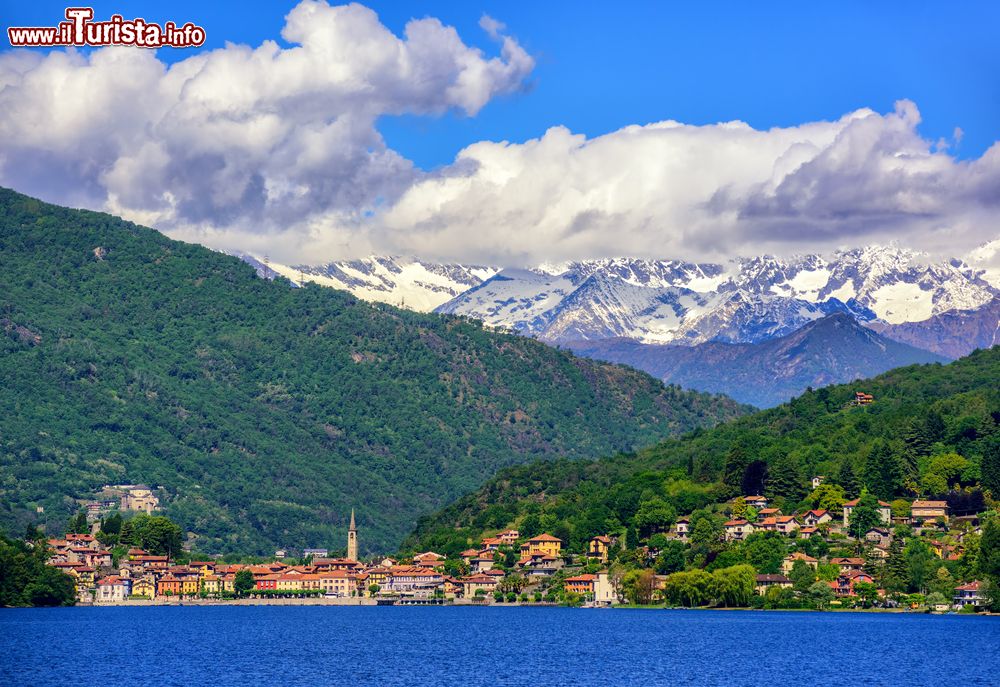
point(418, 647)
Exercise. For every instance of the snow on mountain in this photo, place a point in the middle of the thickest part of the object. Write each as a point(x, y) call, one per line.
point(749, 300)
point(405, 282)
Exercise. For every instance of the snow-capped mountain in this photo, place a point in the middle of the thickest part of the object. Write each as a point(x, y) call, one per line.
point(405, 282)
point(746, 301)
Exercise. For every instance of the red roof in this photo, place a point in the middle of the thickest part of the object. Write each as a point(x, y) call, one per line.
point(545, 537)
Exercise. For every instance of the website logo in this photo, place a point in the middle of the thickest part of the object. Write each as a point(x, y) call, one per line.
point(79, 29)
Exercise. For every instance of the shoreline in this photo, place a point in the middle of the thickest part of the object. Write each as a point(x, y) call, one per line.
point(468, 604)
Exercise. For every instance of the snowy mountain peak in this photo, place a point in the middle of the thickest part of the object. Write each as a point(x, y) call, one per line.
point(751, 299)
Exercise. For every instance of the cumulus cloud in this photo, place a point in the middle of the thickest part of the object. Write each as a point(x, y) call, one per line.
point(275, 150)
point(260, 146)
point(673, 190)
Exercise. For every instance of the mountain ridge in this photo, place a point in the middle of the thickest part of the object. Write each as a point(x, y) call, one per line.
point(833, 349)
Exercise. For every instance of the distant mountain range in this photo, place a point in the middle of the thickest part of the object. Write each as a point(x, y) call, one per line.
point(831, 350)
point(613, 308)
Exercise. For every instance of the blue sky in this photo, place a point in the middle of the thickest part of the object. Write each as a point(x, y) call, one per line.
point(601, 66)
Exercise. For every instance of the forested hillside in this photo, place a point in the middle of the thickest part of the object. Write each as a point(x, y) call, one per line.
point(264, 412)
point(932, 431)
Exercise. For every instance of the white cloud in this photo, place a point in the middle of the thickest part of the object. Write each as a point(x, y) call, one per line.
point(708, 192)
point(256, 145)
point(275, 150)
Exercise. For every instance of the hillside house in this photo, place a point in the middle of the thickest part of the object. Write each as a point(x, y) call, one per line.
point(884, 512)
point(922, 511)
point(544, 544)
point(969, 595)
point(765, 582)
point(581, 584)
point(844, 584)
point(737, 530)
point(789, 562)
point(815, 518)
point(755, 501)
point(599, 546)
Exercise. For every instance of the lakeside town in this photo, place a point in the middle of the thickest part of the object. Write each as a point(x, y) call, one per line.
point(842, 557)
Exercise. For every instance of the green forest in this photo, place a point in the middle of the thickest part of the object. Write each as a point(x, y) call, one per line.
point(263, 413)
point(933, 431)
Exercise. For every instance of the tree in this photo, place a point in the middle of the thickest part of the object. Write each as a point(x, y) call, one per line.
point(785, 478)
point(848, 479)
point(865, 516)
point(155, 533)
point(867, 593)
point(734, 586)
point(896, 573)
point(654, 515)
point(755, 478)
point(639, 586)
point(374, 589)
point(739, 508)
point(243, 583)
point(990, 468)
point(802, 576)
point(919, 559)
point(828, 497)
point(671, 558)
point(989, 557)
point(821, 594)
point(78, 524)
point(882, 474)
point(26, 580)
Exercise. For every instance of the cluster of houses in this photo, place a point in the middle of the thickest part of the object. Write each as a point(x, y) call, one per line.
point(851, 573)
point(816, 522)
point(141, 575)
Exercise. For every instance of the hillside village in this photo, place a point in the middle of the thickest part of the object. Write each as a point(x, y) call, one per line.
point(816, 558)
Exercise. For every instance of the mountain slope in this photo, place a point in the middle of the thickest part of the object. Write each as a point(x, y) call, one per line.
point(918, 412)
point(831, 350)
point(952, 334)
point(265, 412)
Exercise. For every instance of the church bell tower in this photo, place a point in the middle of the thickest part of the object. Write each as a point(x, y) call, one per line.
point(352, 539)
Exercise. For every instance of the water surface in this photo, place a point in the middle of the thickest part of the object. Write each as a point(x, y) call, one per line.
point(425, 647)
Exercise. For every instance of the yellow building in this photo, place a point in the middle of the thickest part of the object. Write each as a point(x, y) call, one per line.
point(599, 548)
point(544, 544)
point(144, 587)
point(190, 584)
point(289, 583)
point(211, 584)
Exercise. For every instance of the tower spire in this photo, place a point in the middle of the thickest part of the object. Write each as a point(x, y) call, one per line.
point(352, 539)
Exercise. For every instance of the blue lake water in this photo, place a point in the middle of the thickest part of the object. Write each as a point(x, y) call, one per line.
point(419, 647)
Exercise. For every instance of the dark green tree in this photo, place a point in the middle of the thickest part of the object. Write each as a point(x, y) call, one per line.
point(847, 478)
point(990, 468)
point(865, 516)
point(785, 479)
point(243, 582)
point(802, 576)
point(882, 475)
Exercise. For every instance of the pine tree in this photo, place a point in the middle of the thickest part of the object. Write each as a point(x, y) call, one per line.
point(990, 468)
point(848, 479)
point(755, 478)
point(784, 479)
point(896, 570)
point(882, 473)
